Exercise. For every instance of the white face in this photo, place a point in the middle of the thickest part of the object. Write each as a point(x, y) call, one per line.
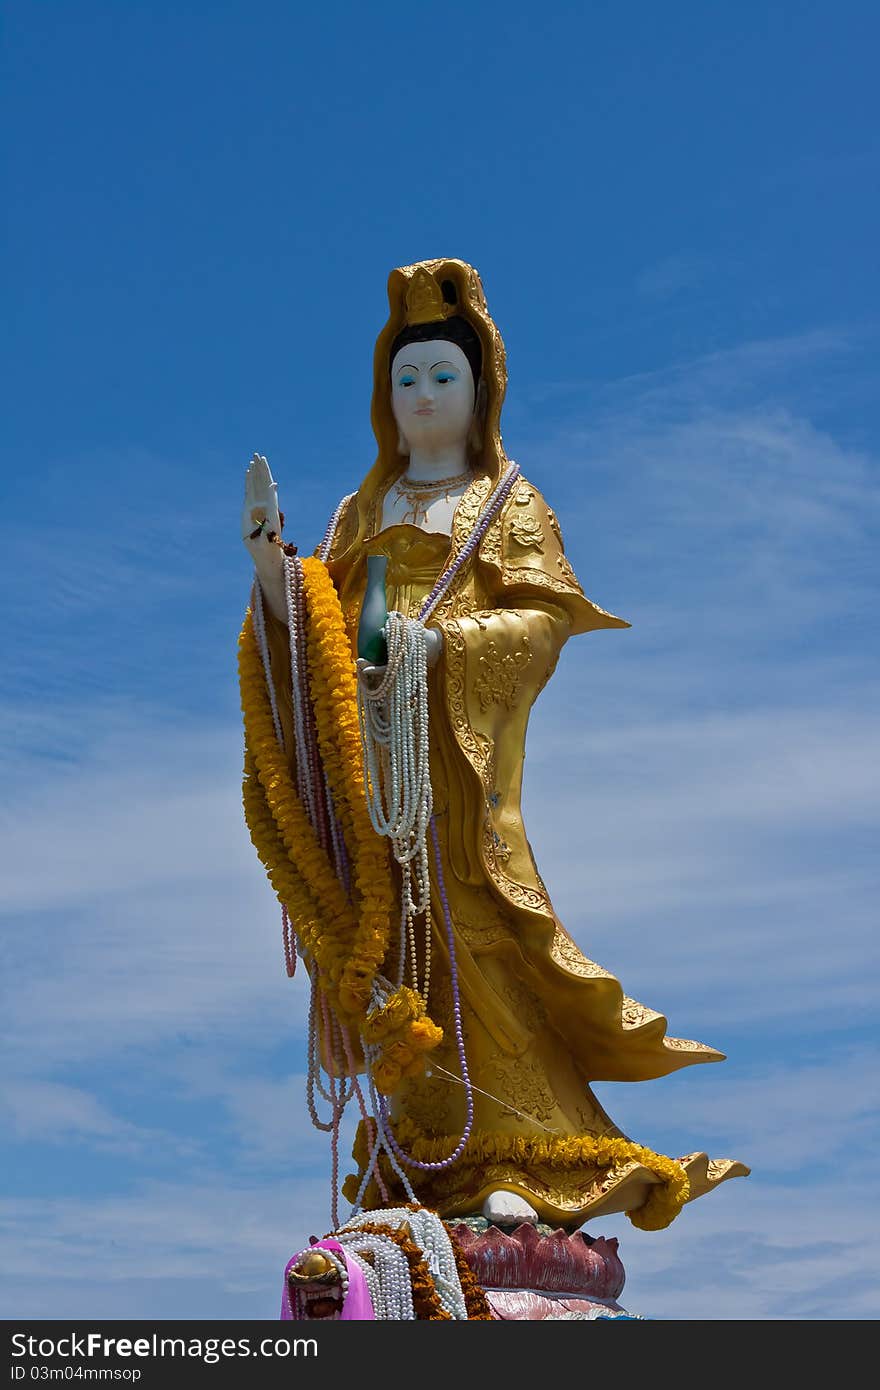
point(432, 394)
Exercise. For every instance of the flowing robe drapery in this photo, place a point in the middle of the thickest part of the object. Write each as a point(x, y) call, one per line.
point(541, 1020)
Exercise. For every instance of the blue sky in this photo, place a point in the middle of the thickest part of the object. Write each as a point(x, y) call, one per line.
point(674, 211)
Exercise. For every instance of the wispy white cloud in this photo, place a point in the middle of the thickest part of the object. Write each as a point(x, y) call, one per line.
point(777, 1252)
point(700, 799)
point(669, 277)
point(204, 1248)
point(796, 1239)
point(711, 496)
point(799, 1121)
point(50, 1113)
point(747, 525)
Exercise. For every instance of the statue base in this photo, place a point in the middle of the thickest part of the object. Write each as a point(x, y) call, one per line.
point(469, 1267)
point(535, 1273)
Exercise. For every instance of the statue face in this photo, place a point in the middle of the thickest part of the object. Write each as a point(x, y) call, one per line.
point(432, 394)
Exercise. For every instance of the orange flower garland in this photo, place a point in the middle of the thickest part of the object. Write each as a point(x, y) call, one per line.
point(400, 1028)
point(333, 692)
point(348, 944)
point(290, 826)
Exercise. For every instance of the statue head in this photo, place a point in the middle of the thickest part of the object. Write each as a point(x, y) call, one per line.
point(438, 302)
point(434, 384)
point(435, 365)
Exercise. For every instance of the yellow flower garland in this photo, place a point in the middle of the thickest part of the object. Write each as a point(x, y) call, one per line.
point(291, 827)
point(662, 1205)
point(333, 692)
point(404, 1034)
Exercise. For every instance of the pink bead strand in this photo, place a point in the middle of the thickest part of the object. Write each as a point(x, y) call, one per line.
point(369, 1122)
point(289, 939)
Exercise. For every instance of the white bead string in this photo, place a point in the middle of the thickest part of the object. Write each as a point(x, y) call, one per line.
point(263, 644)
point(396, 761)
point(433, 1240)
point(370, 1126)
point(393, 1298)
point(381, 1142)
point(329, 535)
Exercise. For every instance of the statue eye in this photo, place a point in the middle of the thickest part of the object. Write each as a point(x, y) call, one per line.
point(443, 377)
point(407, 381)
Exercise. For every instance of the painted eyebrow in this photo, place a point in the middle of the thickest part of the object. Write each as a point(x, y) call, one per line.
point(406, 367)
point(444, 363)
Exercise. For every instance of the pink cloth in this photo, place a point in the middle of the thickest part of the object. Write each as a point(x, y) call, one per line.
point(357, 1305)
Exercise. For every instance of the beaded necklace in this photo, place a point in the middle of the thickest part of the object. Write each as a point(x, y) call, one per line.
point(432, 1238)
point(420, 493)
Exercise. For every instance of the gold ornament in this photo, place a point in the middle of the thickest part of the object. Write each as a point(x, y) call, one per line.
point(419, 495)
point(424, 300)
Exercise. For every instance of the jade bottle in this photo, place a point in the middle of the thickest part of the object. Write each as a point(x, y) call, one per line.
point(371, 643)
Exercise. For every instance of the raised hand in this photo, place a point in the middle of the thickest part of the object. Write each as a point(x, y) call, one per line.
point(261, 532)
point(260, 518)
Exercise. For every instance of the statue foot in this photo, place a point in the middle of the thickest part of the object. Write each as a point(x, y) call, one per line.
point(508, 1209)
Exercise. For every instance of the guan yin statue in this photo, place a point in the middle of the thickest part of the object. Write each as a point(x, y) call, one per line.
point(386, 685)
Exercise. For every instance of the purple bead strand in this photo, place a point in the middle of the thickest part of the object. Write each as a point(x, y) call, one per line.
point(487, 516)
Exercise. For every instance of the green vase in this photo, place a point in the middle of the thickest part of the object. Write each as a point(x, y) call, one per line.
point(371, 643)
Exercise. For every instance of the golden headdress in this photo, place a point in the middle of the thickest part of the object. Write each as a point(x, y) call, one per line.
point(433, 292)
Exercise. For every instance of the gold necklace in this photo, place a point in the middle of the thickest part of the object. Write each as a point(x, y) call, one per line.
point(420, 494)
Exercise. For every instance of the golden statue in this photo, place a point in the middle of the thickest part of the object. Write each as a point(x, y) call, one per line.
point(447, 995)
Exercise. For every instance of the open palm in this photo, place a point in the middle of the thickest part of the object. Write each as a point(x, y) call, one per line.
point(260, 516)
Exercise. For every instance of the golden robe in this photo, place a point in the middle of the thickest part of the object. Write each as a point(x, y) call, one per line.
point(540, 1020)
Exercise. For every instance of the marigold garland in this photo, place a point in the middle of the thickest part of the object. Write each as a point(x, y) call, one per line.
point(348, 945)
point(333, 693)
point(404, 1034)
point(274, 774)
point(323, 933)
point(659, 1209)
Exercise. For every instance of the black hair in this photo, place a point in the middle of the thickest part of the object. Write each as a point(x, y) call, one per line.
point(455, 329)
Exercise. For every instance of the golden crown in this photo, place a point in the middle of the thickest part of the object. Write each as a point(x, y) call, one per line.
point(424, 300)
